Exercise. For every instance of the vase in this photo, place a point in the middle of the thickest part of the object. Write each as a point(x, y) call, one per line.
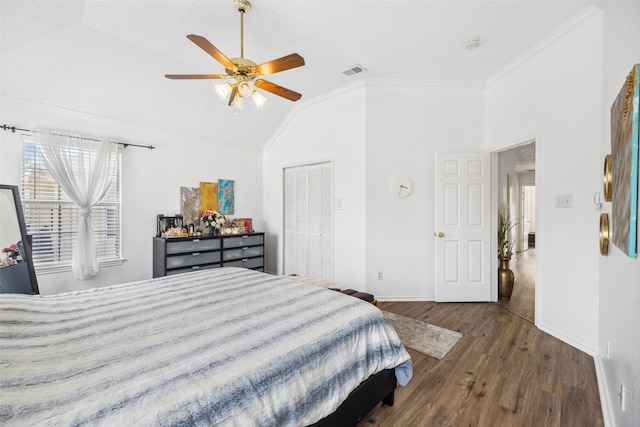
point(505, 278)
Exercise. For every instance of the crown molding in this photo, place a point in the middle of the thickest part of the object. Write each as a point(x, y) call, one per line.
point(426, 83)
point(560, 32)
point(306, 104)
point(364, 82)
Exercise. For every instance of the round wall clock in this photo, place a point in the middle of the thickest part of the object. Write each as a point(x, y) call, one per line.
point(401, 186)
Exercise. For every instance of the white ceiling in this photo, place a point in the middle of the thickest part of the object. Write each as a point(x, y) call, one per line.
point(109, 57)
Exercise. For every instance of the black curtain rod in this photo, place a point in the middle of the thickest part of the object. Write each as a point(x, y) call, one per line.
point(13, 129)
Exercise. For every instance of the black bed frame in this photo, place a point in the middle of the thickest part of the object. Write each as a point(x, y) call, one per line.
point(376, 388)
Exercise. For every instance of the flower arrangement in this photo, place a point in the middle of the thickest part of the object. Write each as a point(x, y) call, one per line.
point(213, 219)
point(505, 225)
point(12, 254)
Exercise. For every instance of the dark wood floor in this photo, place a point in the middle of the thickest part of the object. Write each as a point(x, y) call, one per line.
point(522, 300)
point(503, 372)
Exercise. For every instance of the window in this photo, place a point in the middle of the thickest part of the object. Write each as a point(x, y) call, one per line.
point(52, 218)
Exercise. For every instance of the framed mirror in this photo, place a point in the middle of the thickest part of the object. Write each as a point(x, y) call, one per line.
point(17, 274)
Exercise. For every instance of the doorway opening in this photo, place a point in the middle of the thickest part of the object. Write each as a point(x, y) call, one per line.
point(517, 190)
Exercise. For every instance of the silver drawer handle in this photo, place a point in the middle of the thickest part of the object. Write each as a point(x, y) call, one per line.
point(244, 237)
point(195, 253)
point(196, 240)
point(245, 248)
point(195, 267)
point(245, 260)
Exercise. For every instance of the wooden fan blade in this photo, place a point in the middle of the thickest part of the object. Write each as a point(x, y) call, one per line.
point(196, 76)
point(205, 45)
point(278, 90)
point(281, 64)
point(234, 91)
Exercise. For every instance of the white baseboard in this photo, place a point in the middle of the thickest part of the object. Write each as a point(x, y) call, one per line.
point(405, 299)
point(590, 351)
point(605, 398)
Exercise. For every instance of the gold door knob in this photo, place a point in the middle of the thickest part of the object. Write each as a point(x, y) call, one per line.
point(440, 234)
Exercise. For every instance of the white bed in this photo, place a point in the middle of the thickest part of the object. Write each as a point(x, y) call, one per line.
point(219, 347)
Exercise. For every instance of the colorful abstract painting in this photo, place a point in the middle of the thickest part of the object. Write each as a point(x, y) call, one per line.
point(190, 205)
point(624, 153)
point(226, 203)
point(208, 196)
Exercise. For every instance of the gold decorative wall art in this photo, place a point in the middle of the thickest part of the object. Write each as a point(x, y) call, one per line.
point(208, 196)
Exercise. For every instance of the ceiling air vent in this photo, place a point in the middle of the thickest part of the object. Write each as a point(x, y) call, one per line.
point(356, 69)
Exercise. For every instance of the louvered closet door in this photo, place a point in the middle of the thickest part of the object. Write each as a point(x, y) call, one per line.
point(308, 221)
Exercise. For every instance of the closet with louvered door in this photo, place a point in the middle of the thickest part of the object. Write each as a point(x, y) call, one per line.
point(308, 220)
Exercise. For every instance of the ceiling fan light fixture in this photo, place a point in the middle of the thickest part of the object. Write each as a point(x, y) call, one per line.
point(243, 70)
point(258, 99)
point(223, 90)
point(237, 103)
point(245, 89)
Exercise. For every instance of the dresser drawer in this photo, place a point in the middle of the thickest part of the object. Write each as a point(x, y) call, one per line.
point(244, 252)
point(246, 263)
point(192, 268)
point(241, 241)
point(194, 245)
point(194, 258)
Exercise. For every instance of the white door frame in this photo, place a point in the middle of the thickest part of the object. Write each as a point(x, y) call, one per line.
point(495, 166)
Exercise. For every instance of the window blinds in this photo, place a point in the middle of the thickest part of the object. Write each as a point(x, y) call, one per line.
point(52, 218)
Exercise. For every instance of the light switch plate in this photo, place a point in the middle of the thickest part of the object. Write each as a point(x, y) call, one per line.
point(564, 200)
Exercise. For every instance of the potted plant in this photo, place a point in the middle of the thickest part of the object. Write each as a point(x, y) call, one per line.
point(505, 250)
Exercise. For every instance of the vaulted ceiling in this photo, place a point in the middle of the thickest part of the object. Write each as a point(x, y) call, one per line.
point(109, 58)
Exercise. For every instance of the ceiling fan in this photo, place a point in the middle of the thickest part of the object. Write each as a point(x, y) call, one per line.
point(243, 70)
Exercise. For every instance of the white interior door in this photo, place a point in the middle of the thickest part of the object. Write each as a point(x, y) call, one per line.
point(463, 229)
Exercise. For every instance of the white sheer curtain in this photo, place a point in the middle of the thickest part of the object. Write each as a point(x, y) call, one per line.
point(84, 169)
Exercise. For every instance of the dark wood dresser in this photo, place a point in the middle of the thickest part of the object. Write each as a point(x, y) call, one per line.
point(184, 254)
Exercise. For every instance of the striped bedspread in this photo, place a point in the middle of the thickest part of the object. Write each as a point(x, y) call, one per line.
point(219, 347)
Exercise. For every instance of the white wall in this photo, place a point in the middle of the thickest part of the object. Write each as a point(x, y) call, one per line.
point(330, 128)
point(151, 180)
point(373, 133)
point(407, 124)
point(619, 275)
point(553, 96)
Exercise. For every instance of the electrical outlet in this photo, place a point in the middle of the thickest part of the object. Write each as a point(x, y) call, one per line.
point(338, 203)
point(380, 275)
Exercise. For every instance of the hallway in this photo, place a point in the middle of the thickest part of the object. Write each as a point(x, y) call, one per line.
point(522, 302)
